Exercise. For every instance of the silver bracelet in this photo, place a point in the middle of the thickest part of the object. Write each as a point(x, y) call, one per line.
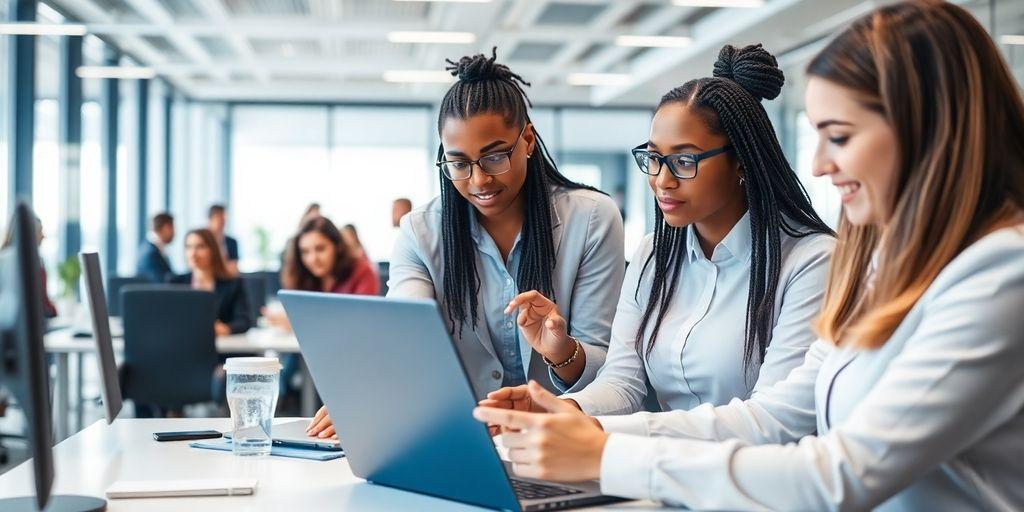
point(567, 362)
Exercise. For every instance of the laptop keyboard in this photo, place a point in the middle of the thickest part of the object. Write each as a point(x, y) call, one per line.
point(535, 491)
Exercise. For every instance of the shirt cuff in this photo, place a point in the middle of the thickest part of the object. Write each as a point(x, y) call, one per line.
point(625, 466)
point(632, 424)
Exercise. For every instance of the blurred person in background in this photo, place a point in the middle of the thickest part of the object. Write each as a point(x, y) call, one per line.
point(208, 272)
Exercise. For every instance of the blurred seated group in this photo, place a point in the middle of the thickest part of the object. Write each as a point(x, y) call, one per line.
point(320, 257)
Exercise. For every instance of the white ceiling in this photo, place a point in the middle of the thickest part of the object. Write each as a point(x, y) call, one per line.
point(337, 50)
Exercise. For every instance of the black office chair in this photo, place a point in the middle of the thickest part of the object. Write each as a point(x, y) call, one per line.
point(170, 352)
point(114, 285)
point(271, 281)
point(255, 286)
point(383, 273)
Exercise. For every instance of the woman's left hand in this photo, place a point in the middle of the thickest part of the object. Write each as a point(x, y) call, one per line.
point(562, 445)
point(221, 328)
point(543, 325)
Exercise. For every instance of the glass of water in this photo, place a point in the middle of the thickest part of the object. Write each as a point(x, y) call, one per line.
point(252, 396)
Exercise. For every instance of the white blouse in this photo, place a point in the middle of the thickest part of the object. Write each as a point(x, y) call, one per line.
point(698, 355)
point(932, 420)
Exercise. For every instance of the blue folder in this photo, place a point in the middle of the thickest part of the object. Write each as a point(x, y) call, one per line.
point(279, 451)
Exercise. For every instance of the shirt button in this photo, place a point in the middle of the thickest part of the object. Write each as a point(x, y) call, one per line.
point(496, 374)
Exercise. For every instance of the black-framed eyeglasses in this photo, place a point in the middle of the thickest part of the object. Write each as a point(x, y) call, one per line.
point(492, 164)
point(682, 165)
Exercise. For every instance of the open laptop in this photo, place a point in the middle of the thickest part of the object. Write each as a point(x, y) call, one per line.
point(402, 403)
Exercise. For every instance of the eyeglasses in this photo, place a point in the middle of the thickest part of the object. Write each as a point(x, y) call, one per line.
point(682, 165)
point(491, 165)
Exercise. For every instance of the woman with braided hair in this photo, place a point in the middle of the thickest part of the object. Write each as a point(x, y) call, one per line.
point(719, 299)
point(507, 222)
point(913, 397)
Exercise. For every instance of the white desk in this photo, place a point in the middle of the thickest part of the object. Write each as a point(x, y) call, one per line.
point(91, 460)
point(63, 345)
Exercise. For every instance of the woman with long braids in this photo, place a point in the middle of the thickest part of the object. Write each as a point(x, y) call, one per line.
point(914, 397)
point(507, 222)
point(718, 301)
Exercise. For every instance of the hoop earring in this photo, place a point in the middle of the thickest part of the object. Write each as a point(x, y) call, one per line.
point(743, 181)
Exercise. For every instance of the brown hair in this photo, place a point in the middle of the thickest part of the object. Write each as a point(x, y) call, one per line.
point(220, 269)
point(162, 219)
point(295, 275)
point(935, 75)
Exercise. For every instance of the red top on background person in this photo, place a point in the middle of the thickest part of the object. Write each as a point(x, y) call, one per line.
point(318, 259)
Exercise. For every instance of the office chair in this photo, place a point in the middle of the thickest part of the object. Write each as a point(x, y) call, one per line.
point(170, 351)
point(114, 285)
point(255, 286)
point(383, 273)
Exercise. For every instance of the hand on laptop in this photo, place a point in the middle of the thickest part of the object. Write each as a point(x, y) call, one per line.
point(322, 426)
point(516, 398)
point(564, 445)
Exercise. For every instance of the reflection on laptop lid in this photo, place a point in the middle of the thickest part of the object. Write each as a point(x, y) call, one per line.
point(402, 404)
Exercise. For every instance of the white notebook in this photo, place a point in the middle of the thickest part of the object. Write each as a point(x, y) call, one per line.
point(179, 488)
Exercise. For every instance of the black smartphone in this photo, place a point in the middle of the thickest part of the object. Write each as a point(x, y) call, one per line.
point(186, 435)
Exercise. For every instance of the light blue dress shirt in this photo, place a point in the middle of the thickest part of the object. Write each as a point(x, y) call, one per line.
point(931, 420)
point(589, 265)
point(698, 355)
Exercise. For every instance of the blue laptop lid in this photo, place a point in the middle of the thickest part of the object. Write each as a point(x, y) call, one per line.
point(398, 395)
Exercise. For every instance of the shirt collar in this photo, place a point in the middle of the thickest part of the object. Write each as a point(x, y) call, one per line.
point(476, 231)
point(155, 240)
point(735, 244)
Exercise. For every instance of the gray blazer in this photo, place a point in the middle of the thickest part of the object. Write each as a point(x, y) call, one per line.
point(933, 420)
point(589, 267)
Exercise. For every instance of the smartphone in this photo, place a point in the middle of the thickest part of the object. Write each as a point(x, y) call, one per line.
point(186, 435)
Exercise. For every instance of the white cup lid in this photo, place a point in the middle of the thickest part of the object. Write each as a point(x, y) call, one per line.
point(252, 365)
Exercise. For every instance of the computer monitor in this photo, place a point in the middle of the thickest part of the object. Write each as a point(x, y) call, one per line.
point(23, 369)
point(111, 388)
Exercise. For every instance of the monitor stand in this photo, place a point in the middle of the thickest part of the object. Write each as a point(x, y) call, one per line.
point(57, 503)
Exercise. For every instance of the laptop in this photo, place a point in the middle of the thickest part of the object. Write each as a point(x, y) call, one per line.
point(402, 404)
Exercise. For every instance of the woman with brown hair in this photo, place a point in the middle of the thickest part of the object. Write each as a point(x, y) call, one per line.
point(209, 272)
point(913, 398)
point(318, 260)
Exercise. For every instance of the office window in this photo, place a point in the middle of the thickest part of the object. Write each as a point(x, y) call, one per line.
point(824, 197)
point(46, 175)
point(378, 155)
point(4, 123)
point(92, 178)
point(279, 165)
point(127, 177)
point(592, 147)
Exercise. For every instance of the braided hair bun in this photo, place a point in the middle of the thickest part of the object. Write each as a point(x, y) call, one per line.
point(753, 68)
point(479, 67)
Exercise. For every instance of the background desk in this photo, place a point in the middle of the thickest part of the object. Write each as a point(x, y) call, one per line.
point(63, 345)
point(91, 460)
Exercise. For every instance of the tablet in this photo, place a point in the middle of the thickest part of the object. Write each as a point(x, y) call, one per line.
point(293, 433)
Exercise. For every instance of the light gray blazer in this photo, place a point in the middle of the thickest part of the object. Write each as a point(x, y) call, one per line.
point(933, 420)
point(589, 268)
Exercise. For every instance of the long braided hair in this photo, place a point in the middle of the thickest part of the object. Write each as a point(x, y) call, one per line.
point(730, 103)
point(485, 86)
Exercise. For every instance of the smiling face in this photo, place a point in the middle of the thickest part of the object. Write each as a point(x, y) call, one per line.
point(481, 135)
point(676, 128)
point(318, 254)
point(856, 150)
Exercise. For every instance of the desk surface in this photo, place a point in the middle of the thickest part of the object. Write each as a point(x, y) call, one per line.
point(255, 340)
point(91, 460)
